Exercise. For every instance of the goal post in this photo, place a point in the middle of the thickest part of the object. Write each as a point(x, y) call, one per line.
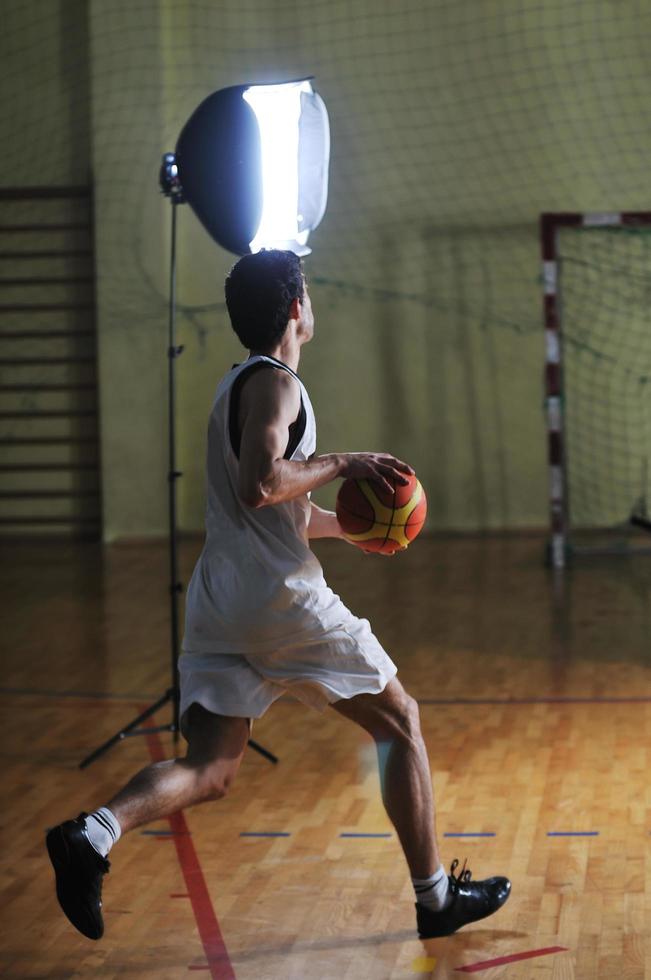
point(597, 318)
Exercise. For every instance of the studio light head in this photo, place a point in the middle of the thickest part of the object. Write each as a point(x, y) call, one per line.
point(252, 162)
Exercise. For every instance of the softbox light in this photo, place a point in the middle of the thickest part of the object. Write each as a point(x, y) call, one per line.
point(253, 165)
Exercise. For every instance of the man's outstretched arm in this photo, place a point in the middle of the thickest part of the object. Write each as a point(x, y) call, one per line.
point(269, 405)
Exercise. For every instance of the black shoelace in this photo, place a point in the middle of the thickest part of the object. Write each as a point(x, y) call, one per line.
point(464, 875)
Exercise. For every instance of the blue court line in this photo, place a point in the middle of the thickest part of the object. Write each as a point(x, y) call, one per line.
point(572, 833)
point(253, 833)
point(480, 834)
point(365, 835)
point(549, 700)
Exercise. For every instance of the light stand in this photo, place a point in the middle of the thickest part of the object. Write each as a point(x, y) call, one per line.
point(171, 187)
point(252, 163)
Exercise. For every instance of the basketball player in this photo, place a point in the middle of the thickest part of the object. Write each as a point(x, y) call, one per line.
point(261, 621)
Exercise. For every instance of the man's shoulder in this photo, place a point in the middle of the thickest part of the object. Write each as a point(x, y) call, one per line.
point(274, 385)
point(266, 374)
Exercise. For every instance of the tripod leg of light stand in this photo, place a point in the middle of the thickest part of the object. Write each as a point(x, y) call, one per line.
point(128, 729)
point(265, 752)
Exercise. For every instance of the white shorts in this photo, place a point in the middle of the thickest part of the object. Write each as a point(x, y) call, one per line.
point(341, 664)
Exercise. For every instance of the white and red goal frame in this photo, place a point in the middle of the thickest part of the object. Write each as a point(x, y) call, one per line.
point(550, 226)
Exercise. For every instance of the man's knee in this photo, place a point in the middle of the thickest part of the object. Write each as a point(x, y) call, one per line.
point(406, 718)
point(213, 779)
point(216, 744)
point(217, 783)
point(393, 714)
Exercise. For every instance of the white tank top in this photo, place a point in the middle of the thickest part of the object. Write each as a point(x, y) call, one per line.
point(257, 586)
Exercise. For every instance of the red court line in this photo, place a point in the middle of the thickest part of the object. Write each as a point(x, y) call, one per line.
point(214, 947)
point(501, 960)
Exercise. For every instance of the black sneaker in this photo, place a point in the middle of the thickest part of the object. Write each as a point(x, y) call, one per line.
point(79, 871)
point(471, 900)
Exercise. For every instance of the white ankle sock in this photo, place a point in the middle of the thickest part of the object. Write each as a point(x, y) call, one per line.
point(102, 830)
point(433, 892)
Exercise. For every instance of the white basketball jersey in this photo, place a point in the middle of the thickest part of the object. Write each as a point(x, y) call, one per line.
point(257, 586)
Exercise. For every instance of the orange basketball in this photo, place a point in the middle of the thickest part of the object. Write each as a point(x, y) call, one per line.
point(379, 521)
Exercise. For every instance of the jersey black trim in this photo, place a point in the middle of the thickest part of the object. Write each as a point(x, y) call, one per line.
point(296, 429)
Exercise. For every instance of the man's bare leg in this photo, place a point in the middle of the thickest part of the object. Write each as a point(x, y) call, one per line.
point(443, 904)
point(78, 848)
point(216, 746)
point(392, 719)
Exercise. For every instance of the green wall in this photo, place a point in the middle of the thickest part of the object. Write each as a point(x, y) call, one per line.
point(45, 104)
point(45, 128)
point(454, 124)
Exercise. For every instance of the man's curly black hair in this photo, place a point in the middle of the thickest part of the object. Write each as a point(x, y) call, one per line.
point(260, 289)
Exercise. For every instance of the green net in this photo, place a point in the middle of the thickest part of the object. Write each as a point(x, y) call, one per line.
point(454, 125)
point(605, 295)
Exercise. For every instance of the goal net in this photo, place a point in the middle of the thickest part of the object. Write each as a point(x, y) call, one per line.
point(598, 320)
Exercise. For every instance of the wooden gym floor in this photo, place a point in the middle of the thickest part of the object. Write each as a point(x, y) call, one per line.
point(535, 701)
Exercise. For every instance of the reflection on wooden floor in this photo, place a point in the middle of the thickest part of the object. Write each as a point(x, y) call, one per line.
point(536, 707)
